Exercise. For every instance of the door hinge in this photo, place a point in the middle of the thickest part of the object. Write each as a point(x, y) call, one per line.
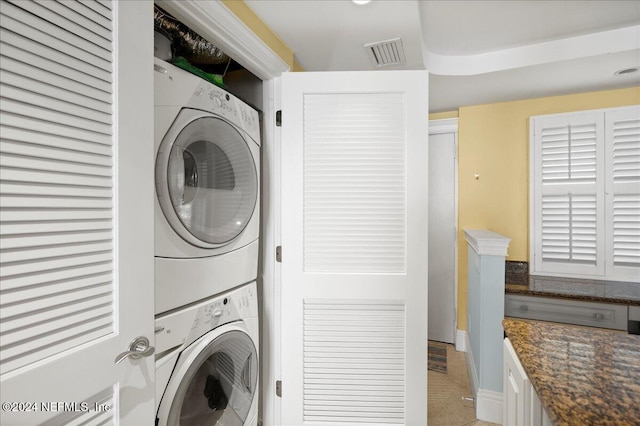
point(279, 254)
point(279, 118)
point(279, 388)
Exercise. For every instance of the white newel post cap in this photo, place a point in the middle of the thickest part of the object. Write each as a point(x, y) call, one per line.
point(487, 243)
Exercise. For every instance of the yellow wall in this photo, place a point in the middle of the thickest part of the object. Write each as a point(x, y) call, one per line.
point(251, 20)
point(494, 143)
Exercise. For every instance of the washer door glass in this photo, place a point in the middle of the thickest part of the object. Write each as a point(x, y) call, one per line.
point(212, 181)
point(219, 386)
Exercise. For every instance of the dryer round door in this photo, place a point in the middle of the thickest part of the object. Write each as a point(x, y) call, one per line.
point(206, 179)
point(214, 384)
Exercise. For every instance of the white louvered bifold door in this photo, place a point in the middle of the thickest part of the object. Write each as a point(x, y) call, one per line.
point(623, 192)
point(568, 193)
point(354, 248)
point(57, 185)
point(63, 267)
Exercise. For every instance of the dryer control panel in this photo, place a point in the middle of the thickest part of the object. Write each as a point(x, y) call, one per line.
point(177, 87)
point(217, 100)
point(184, 326)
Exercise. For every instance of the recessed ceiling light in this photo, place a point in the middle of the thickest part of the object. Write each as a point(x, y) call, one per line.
point(627, 71)
point(361, 2)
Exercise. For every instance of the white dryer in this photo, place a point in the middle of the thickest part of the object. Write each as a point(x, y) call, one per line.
point(208, 189)
point(207, 362)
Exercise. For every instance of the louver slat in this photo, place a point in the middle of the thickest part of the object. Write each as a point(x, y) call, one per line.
point(569, 228)
point(99, 411)
point(56, 155)
point(44, 129)
point(626, 230)
point(49, 34)
point(46, 86)
point(97, 29)
point(569, 154)
point(52, 100)
point(63, 153)
point(354, 203)
point(97, 11)
point(354, 362)
point(55, 287)
point(625, 175)
point(25, 57)
point(51, 112)
point(21, 138)
point(90, 303)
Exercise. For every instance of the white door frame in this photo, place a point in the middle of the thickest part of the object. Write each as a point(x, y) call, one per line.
point(215, 22)
point(436, 127)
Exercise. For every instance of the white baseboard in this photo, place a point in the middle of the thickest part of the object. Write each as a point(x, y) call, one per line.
point(461, 341)
point(471, 366)
point(488, 403)
point(489, 406)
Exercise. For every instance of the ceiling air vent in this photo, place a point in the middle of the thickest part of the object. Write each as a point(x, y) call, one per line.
point(386, 53)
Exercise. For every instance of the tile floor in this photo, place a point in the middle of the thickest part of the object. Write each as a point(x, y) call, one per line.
point(445, 404)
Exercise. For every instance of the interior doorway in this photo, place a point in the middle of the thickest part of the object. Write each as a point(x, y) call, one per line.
point(442, 230)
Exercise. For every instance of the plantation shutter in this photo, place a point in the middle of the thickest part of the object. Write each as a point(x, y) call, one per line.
point(568, 196)
point(57, 177)
point(623, 191)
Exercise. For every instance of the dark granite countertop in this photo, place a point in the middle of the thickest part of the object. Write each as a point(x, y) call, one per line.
point(582, 375)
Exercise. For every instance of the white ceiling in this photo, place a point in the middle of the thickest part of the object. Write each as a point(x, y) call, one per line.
point(477, 51)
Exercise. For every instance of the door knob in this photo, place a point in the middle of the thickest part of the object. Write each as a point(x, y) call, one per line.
point(138, 348)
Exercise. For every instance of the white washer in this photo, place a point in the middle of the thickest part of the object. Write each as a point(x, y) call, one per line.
point(207, 362)
point(208, 189)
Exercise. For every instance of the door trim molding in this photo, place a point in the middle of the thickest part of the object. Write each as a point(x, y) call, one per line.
point(446, 125)
point(438, 127)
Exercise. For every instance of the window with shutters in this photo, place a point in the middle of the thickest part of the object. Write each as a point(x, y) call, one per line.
point(585, 194)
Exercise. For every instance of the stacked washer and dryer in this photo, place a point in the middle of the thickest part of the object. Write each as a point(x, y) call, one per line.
point(206, 252)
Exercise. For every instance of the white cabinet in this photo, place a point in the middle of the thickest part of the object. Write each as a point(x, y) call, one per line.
point(521, 405)
point(516, 389)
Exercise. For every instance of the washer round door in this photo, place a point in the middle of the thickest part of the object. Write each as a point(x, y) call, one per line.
point(206, 179)
point(215, 386)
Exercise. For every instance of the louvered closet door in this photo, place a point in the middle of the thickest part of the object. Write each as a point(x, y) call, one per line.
point(623, 192)
point(354, 248)
point(568, 205)
point(76, 243)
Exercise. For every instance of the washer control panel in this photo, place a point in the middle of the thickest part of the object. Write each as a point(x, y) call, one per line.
point(184, 326)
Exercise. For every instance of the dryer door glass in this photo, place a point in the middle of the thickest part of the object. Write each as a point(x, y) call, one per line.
point(219, 386)
point(212, 181)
